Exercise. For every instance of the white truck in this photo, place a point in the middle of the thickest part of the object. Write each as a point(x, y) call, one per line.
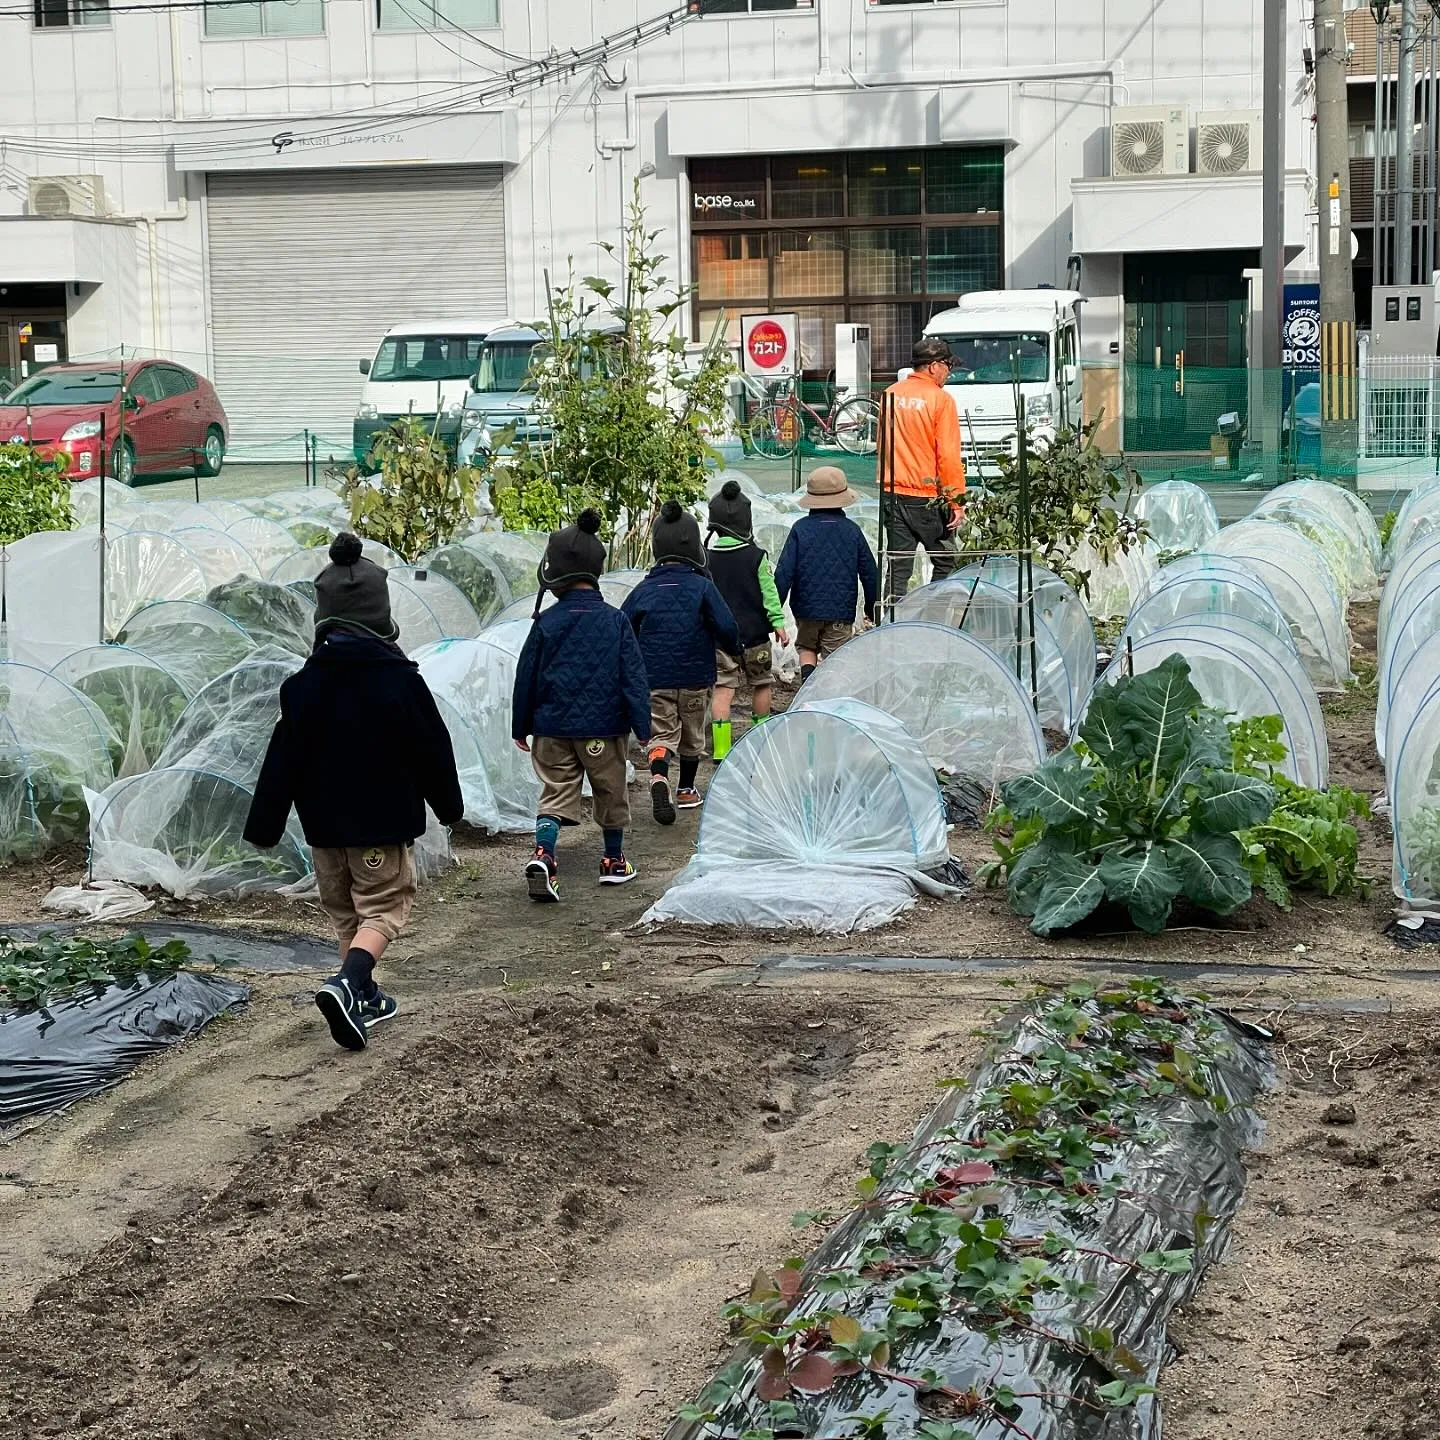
point(995, 334)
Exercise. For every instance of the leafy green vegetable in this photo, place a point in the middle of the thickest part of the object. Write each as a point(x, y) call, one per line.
point(1141, 811)
point(34, 971)
point(266, 612)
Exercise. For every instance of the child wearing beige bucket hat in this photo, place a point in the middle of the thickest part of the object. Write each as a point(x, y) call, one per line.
point(824, 558)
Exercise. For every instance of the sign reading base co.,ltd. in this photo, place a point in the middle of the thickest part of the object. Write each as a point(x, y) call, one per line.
point(770, 346)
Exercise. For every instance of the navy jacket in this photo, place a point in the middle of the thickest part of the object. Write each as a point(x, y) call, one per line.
point(827, 552)
point(358, 751)
point(580, 675)
point(681, 620)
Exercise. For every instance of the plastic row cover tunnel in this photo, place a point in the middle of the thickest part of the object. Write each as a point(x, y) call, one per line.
point(1179, 515)
point(1199, 586)
point(1413, 787)
point(1044, 1309)
point(952, 693)
point(1352, 533)
point(825, 819)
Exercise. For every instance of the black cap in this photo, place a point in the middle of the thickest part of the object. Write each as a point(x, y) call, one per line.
point(676, 537)
point(929, 349)
point(730, 512)
point(574, 553)
point(353, 592)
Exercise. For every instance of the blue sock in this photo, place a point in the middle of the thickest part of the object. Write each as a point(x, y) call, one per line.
point(547, 832)
point(614, 844)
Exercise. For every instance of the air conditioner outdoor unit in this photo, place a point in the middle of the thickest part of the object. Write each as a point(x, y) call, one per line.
point(59, 196)
point(1150, 140)
point(1228, 142)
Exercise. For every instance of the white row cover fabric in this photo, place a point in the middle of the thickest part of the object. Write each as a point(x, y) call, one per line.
point(1344, 506)
point(615, 586)
point(1421, 557)
point(1409, 692)
point(810, 822)
point(1179, 515)
point(306, 564)
point(1415, 620)
point(1298, 576)
point(1333, 533)
point(1245, 671)
point(53, 745)
point(1413, 788)
point(1199, 592)
point(192, 640)
point(950, 691)
point(477, 575)
point(140, 699)
point(52, 595)
point(1418, 521)
point(1110, 587)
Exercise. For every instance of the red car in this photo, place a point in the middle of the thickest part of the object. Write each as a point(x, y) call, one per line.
point(173, 419)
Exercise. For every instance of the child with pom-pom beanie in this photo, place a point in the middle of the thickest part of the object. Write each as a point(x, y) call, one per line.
point(359, 751)
point(580, 690)
point(681, 621)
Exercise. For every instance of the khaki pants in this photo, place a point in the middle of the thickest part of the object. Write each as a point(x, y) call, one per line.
point(562, 766)
point(824, 637)
point(368, 887)
point(756, 668)
point(677, 721)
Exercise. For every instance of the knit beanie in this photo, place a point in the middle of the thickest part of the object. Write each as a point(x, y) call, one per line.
point(574, 553)
point(676, 537)
point(730, 512)
point(353, 593)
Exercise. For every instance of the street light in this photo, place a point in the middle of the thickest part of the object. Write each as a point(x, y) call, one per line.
point(1380, 9)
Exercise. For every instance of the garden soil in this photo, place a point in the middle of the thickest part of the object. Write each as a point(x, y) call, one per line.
point(523, 1208)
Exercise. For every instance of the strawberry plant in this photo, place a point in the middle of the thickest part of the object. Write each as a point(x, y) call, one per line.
point(1141, 811)
point(34, 971)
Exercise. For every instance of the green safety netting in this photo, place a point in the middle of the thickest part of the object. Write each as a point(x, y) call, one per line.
point(140, 699)
point(53, 746)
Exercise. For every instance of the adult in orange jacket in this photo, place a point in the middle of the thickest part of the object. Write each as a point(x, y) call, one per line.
point(922, 481)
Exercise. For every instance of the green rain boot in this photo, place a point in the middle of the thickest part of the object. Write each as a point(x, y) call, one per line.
point(720, 739)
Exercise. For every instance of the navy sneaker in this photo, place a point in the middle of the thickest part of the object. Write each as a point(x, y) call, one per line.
point(377, 1009)
point(541, 877)
point(337, 1002)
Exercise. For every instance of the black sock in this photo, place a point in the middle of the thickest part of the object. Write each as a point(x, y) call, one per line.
point(660, 766)
point(359, 968)
point(689, 769)
point(806, 671)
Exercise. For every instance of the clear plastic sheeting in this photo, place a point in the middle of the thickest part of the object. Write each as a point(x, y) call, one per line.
point(221, 556)
point(141, 567)
point(226, 727)
point(1410, 627)
point(1245, 671)
point(267, 540)
point(269, 614)
point(53, 746)
point(183, 830)
point(615, 586)
point(191, 640)
point(1345, 550)
point(85, 502)
point(993, 614)
point(1417, 522)
point(1420, 558)
point(306, 564)
point(1413, 787)
point(1200, 593)
point(1111, 586)
point(518, 554)
point(478, 576)
point(1410, 690)
point(52, 595)
point(453, 613)
point(1347, 508)
point(1298, 576)
point(1178, 515)
point(949, 690)
point(473, 682)
point(822, 800)
point(140, 699)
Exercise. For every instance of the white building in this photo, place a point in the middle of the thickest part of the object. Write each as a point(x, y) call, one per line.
point(275, 182)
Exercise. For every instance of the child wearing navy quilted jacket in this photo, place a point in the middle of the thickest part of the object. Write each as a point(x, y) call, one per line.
point(580, 690)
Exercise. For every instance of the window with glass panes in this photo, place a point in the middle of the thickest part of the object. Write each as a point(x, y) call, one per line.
point(881, 238)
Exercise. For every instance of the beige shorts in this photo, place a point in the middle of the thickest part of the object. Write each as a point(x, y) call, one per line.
point(370, 887)
point(757, 669)
point(677, 721)
point(824, 637)
point(562, 766)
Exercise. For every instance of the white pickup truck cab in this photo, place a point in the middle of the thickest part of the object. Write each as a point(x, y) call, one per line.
point(995, 334)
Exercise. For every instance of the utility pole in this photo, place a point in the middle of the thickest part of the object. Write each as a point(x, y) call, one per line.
point(1339, 411)
point(1272, 239)
point(1405, 145)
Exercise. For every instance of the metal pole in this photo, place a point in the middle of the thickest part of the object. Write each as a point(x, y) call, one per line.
point(1339, 410)
point(102, 529)
point(1272, 249)
point(1405, 147)
point(1377, 229)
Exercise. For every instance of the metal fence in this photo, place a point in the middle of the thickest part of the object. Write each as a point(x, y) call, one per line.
point(1398, 405)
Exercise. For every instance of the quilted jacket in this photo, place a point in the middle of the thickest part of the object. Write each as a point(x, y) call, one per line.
point(580, 675)
point(681, 621)
point(826, 554)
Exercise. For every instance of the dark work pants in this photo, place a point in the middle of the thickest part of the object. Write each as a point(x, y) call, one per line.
point(911, 522)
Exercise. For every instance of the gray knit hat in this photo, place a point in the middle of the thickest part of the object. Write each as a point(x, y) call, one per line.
point(676, 537)
point(353, 593)
point(730, 512)
point(574, 553)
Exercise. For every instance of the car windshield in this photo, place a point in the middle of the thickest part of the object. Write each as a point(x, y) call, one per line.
point(504, 366)
point(990, 359)
point(426, 357)
point(66, 387)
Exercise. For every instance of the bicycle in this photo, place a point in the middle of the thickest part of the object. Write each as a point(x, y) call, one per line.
point(780, 424)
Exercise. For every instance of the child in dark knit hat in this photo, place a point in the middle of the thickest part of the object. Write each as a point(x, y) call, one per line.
point(359, 751)
point(682, 621)
point(741, 572)
point(580, 690)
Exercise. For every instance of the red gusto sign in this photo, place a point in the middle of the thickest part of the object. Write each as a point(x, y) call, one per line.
point(769, 345)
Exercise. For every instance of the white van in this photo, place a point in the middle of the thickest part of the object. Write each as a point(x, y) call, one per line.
point(423, 370)
point(991, 332)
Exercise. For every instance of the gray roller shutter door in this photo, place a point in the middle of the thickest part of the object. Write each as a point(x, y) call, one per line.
point(308, 271)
